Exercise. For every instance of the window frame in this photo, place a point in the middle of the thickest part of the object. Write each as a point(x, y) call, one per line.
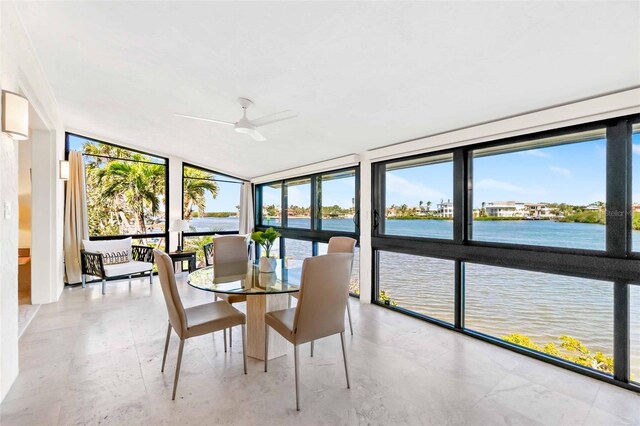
point(314, 234)
point(617, 263)
point(204, 169)
point(166, 165)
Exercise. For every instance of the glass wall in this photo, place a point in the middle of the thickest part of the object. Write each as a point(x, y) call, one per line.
point(420, 284)
point(545, 192)
point(271, 208)
point(418, 196)
point(211, 202)
point(299, 203)
point(211, 205)
point(126, 189)
point(318, 207)
point(197, 243)
point(566, 317)
point(296, 251)
point(561, 203)
point(337, 201)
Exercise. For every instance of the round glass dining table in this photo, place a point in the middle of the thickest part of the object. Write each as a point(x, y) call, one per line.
point(246, 278)
point(266, 292)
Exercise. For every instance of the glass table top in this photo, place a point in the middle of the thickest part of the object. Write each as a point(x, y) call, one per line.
point(246, 278)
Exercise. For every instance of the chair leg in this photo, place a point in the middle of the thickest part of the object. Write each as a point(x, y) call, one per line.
point(224, 332)
point(175, 381)
point(297, 373)
point(266, 346)
point(244, 352)
point(166, 347)
point(289, 302)
point(312, 349)
point(344, 356)
point(84, 280)
point(150, 277)
point(103, 283)
point(349, 316)
point(230, 337)
point(129, 282)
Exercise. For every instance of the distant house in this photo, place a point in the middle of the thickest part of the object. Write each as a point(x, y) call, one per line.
point(594, 207)
point(539, 210)
point(506, 209)
point(445, 209)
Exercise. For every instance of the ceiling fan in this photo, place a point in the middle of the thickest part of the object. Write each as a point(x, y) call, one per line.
point(246, 126)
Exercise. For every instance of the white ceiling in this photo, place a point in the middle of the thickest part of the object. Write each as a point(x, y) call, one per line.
point(360, 75)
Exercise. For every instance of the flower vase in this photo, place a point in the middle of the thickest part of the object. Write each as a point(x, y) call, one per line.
point(267, 264)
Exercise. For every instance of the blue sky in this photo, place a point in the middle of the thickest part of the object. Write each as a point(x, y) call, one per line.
point(573, 174)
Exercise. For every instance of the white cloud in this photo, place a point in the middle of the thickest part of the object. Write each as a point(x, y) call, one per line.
point(498, 185)
point(636, 149)
point(536, 153)
point(560, 170)
point(411, 192)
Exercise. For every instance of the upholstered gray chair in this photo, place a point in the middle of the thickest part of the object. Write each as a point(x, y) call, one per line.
point(229, 249)
point(324, 293)
point(194, 321)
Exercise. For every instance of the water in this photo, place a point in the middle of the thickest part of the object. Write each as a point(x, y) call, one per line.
point(500, 301)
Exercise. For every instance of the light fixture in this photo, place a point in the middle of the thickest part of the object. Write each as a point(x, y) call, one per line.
point(179, 226)
point(15, 116)
point(64, 170)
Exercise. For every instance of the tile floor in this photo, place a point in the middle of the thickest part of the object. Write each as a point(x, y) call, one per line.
point(93, 359)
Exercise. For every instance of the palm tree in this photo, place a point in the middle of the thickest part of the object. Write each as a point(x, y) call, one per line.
point(196, 184)
point(140, 184)
point(428, 206)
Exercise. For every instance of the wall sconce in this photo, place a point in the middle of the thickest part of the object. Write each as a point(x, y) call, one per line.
point(64, 170)
point(15, 116)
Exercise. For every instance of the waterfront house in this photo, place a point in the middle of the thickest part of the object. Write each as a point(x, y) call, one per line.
point(505, 209)
point(133, 132)
point(445, 209)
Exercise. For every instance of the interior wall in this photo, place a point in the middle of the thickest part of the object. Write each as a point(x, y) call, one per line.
point(24, 194)
point(21, 72)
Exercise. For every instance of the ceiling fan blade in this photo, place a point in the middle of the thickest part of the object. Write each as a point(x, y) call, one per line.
point(205, 119)
point(256, 135)
point(274, 118)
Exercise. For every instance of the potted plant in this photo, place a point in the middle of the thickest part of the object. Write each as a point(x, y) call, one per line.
point(266, 239)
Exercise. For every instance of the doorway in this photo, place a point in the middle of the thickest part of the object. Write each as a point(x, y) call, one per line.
point(26, 308)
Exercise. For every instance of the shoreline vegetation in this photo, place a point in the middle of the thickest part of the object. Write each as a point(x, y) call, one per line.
point(591, 217)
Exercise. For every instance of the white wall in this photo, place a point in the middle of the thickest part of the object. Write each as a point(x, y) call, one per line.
point(20, 72)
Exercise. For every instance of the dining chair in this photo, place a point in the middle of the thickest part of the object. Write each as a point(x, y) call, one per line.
point(324, 290)
point(338, 245)
point(196, 320)
point(208, 254)
point(229, 249)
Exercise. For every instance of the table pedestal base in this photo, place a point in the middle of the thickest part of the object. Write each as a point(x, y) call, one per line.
point(257, 306)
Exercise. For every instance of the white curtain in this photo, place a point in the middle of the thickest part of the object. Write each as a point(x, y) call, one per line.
point(76, 226)
point(246, 211)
